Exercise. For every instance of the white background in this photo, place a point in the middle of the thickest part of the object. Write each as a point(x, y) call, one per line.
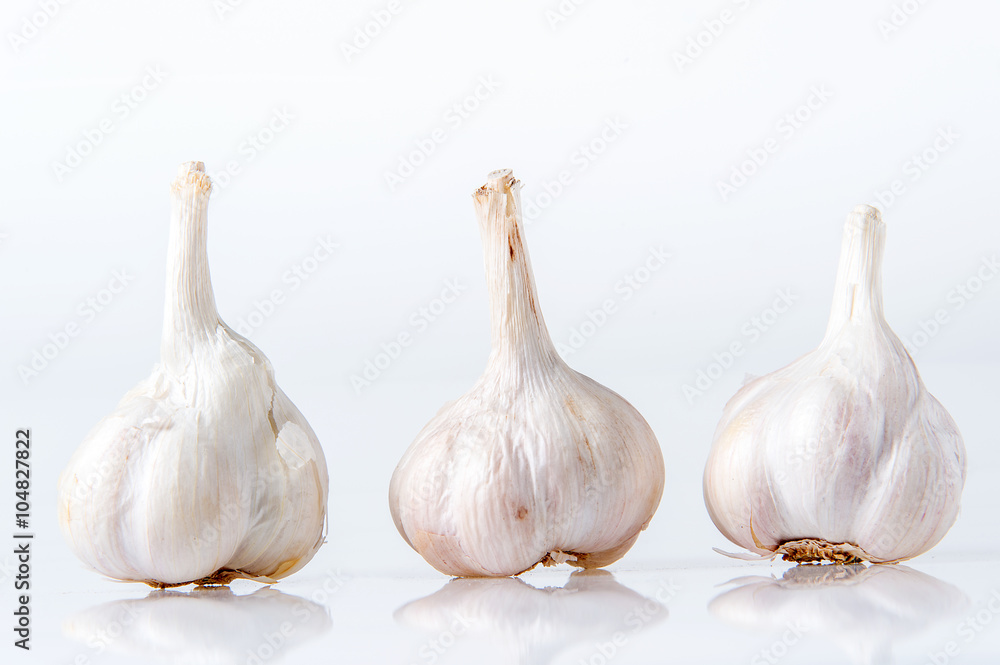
point(887, 94)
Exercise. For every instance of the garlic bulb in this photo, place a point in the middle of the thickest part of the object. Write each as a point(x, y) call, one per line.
point(205, 471)
point(842, 455)
point(537, 463)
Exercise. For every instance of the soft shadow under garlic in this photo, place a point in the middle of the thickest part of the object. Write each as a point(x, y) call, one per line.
point(862, 609)
point(533, 625)
point(205, 625)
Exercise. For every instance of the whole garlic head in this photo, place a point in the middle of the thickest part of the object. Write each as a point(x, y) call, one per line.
point(537, 463)
point(843, 455)
point(205, 471)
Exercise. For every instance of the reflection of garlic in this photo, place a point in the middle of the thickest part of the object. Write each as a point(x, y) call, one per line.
point(205, 471)
point(209, 625)
point(865, 609)
point(843, 455)
point(537, 463)
point(533, 626)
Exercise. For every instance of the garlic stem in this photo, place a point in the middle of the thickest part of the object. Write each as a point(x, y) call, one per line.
point(857, 294)
point(518, 333)
point(189, 311)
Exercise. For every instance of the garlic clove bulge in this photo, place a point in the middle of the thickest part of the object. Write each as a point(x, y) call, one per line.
point(205, 471)
point(843, 455)
point(537, 463)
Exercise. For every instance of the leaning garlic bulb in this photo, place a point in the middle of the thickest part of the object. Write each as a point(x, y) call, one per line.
point(205, 471)
point(537, 463)
point(843, 455)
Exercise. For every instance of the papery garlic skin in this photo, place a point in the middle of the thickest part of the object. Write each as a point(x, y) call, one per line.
point(842, 455)
point(537, 463)
point(205, 471)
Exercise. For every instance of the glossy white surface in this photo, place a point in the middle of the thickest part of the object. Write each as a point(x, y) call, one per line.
point(325, 265)
point(721, 614)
